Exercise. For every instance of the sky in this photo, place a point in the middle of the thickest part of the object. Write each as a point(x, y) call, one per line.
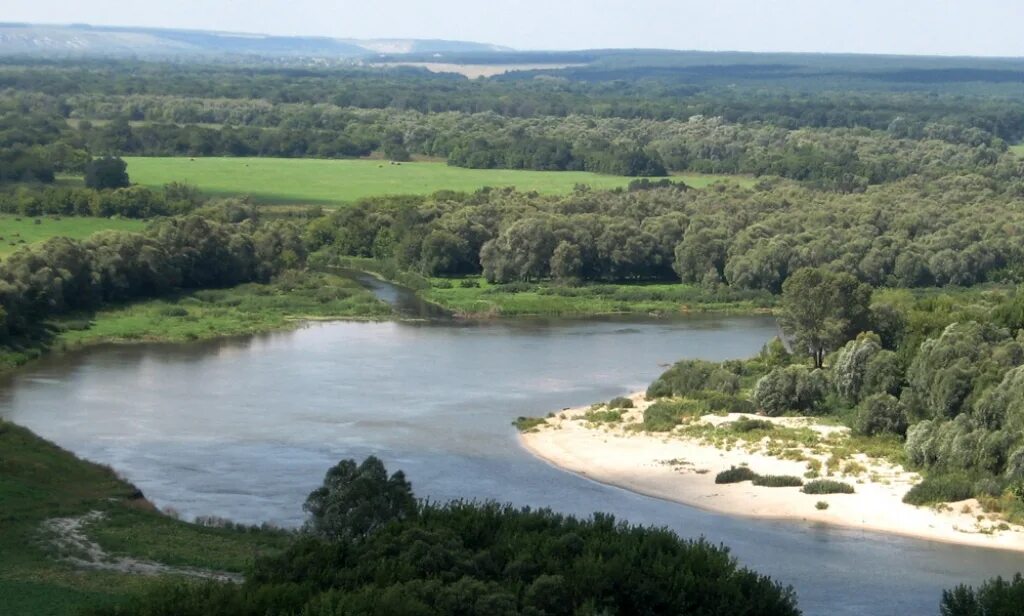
point(923, 27)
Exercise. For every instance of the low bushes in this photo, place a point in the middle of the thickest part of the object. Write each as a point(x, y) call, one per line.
point(743, 425)
point(736, 474)
point(620, 403)
point(526, 424)
point(827, 486)
point(778, 481)
point(940, 489)
point(664, 415)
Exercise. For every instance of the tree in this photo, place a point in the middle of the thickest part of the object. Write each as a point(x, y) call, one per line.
point(821, 310)
point(356, 500)
point(106, 172)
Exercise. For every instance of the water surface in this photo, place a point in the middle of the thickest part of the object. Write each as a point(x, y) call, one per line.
point(245, 429)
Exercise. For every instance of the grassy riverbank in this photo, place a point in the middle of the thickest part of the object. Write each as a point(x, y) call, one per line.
point(202, 315)
point(475, 297)
point(40, 482)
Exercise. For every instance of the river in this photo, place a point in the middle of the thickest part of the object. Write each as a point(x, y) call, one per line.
point(245, 429)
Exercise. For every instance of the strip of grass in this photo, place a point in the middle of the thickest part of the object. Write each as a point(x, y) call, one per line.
point(17, 231)
point(243, 310)
point(475, 297)
point(337, 182)
point(39, 481)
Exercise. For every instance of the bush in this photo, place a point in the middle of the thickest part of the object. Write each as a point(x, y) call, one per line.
point(940, 489)
point(793, 388)
point(526, 424)
point(664, 415)
point(620, 403)
point(736, 474)
point(880, 414)
point(604, 416)
point(717, 401)
point(749, 425)
point(173, 311)
point(827, 486)
point(778, 481)
point(821, 505)
point(996, 597)
point(692, 376)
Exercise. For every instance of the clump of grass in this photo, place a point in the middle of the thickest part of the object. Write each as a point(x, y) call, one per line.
point(620, 402)
point(664, 415)
point(940, 489)
point(736, 475)
point(744, 424)
point(821, 505)
point(778, 481)
point(603, 416)
point(528, 424)
point(827, 486)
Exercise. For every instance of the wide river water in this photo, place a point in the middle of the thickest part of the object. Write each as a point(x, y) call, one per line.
point(245, 429)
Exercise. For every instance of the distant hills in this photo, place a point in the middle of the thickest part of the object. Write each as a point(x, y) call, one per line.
point(86, 40)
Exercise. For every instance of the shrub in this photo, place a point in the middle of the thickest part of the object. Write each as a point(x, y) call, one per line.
point(827, 486)
point(880, 414)
point(664, 415)
point(526, 424)
point(604, 416)
point(620, 403)
point(793, 388)
point(691, 376)
point(821, 505)
point(173, 311)
point(778, 481)
point(736, 474)
point(940, 489)
point(744, 424)
point(996, 597)
point(717, 401)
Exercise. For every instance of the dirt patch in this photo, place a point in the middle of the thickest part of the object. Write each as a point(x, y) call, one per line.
point(68, 536)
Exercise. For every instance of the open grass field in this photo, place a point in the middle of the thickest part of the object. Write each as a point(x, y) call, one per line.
point(336, 182)
point(16, 231)
point(1018, 149)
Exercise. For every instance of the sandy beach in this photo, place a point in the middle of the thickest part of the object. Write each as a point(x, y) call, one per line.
point(682, 468)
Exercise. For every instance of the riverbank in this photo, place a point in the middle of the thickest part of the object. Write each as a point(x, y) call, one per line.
point(75, 535)
point(290, 300)
point(681, 466)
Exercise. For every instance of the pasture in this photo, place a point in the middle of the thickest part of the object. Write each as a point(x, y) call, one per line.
point(305, 181)
point(16, 231)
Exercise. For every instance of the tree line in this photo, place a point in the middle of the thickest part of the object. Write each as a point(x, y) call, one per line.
point(61, 275)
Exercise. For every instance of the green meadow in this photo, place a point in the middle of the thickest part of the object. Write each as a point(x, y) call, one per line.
point(16, 231)
point(334, 182)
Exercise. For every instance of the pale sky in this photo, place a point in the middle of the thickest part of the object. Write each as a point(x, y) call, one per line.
point(939, 27)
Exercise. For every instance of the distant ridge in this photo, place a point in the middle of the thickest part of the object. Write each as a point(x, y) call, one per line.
point(89, 40)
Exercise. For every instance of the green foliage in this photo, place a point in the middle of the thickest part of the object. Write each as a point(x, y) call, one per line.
point(880, 414)
point(793, 388)
point(744, 424)
point(736, 474)
point(936, 489)
point(620, 403)
point(527, 424)
point(106, 172)
point(995, 597)
point(821, 310)
point(821, 505)
point(778, 481)
point(664, 415)
point(826, 486)
point(692, 376)
point(355, 500)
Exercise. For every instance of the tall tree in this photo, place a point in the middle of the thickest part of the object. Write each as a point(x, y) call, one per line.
point(821, 310)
